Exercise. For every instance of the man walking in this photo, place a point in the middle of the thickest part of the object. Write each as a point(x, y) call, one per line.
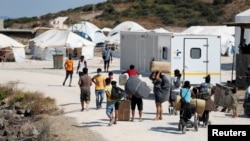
point(84, 84)
point(69, 67)
point(99, 81)
point(107, 57)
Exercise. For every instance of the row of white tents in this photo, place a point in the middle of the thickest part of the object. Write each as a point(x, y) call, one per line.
point(84, 36)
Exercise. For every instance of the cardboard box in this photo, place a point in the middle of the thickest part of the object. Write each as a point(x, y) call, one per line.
point(124, 110)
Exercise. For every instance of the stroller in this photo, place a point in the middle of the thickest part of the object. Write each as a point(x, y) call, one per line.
point(186, 112)
point(204, 118)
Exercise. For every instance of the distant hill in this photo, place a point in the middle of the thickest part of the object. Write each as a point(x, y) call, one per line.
point(4, 17)
point(148, 13)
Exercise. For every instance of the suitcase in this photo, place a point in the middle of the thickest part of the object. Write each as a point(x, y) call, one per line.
point(124, 110)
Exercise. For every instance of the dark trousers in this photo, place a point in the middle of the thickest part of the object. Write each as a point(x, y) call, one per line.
point(205, 117)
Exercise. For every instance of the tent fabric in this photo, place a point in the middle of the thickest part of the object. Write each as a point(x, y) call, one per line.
point(90, 31)
point(56, 41)
point(114, 35)
point(226, 33)
point(13, 47)
point(160, 30)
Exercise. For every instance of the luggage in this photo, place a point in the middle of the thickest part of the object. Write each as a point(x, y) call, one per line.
point(164, 67)
point(137, 87)
point(199, 108)
point(124, 110)
point(123, 79)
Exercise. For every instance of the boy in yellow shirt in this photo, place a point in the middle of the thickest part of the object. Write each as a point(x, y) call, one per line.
point(110, 102)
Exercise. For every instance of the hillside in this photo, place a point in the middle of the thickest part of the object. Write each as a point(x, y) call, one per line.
point(148, 13)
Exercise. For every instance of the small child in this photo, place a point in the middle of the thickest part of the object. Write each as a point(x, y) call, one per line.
point(110, 103)
point(117, 103)
point(235, 102)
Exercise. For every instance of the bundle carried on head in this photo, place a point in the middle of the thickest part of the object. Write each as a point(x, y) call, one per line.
point(164, 67)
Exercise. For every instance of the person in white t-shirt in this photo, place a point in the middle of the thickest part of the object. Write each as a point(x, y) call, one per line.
point(81, 64)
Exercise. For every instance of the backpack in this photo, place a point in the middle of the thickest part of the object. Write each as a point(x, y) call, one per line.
point(117, 93)
point(205, 88)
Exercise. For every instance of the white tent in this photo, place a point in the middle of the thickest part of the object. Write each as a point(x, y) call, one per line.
point(88, 31)
point(11, 49)
point(56, 41)
point(106, 29)
point(160, 30)
point(243, 17)
point(226, 33)
point(114, 35)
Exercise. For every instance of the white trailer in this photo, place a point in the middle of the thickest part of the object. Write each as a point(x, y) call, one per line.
point(194, 55)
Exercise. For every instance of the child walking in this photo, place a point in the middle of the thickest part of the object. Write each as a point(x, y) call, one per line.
point(235, 102)
point(110, 103)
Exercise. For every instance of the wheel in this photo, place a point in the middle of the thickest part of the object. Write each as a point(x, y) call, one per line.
point(184, 128)
point(196, 125)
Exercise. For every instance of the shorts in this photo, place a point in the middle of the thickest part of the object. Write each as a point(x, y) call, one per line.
point(117, 104)
point(106, 61)
point(110, 108)
point(85, 95)
point(69, 72)
point(80, 74)
point(136, 101)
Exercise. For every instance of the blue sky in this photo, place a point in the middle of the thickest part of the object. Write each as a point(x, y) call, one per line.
point(31, 8)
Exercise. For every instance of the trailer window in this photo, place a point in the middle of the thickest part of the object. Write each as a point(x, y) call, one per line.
point(165, 53)
point(195, 53)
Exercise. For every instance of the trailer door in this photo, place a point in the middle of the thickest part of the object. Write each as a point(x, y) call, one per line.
point(196, 59)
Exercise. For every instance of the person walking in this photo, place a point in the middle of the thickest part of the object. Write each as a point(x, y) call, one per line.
point(175, 90)
point(99, 81)
point(206, 89)
point(117, 102)
point(235, 100)
point(135, 101)
point(110, 102)
point(81, 64)
point(131, 71)
point(107, 58)
point(85, 83)
point(159, 92)
point(186, 110)
point(69, 67)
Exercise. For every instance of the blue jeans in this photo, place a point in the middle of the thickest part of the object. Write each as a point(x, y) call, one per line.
point(99, 98)
point(110, 108)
